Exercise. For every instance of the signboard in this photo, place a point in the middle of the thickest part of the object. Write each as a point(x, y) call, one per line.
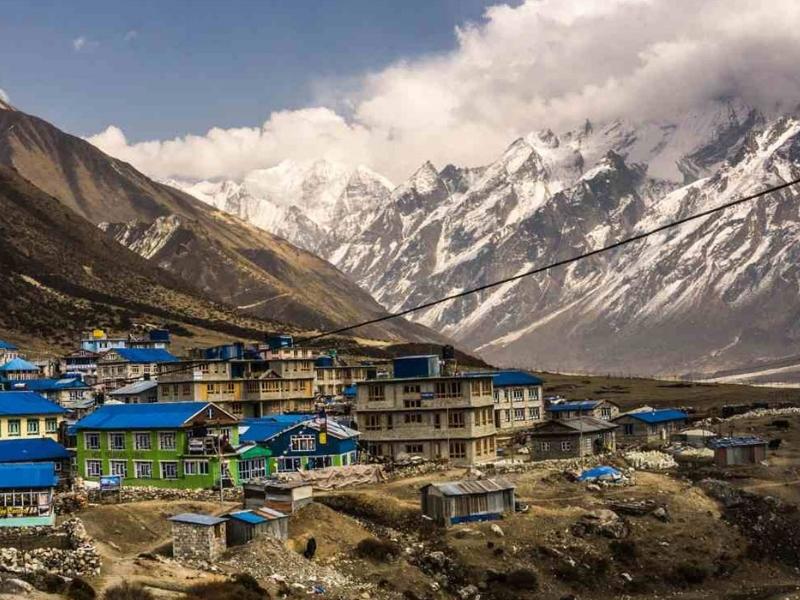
point(427, 395)
point(110, 482)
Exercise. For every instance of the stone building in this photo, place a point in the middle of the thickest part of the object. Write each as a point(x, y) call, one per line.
point(572, 438)
point(599, 409)
point(653, 427)
point(427, 414)
point(198, 537)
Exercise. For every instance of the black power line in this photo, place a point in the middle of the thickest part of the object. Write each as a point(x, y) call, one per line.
point(560, 263)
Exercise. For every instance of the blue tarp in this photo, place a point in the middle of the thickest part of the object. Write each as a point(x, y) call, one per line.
point(600, 473)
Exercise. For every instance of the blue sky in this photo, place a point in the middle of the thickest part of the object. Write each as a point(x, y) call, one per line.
point(158, 69)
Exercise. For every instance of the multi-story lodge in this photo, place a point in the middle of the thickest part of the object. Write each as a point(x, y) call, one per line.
point(518, 400)
point(8, 351)
point(427, 413)
point(179, 444)
point(333, 377)
point(29, 415)
point(599, 409)
point(120, 366)
point(81, 362)
point(248, 382)
point(19, 369)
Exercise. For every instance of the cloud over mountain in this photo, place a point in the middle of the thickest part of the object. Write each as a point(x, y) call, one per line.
point(548, 62)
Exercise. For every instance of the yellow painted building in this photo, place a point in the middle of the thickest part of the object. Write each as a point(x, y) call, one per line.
point(25, 414)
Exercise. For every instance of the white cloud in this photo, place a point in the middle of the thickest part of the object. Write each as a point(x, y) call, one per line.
point(545, 63)
point(130, 35)
point(79, 43)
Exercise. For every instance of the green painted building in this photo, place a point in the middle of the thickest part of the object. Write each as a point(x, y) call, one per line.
point(174, 444)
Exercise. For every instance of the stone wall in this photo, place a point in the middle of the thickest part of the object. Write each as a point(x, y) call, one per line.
point(197, 542)
point(138, 494)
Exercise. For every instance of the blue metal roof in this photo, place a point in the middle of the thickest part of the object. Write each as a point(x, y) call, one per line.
point(19, 364)
point(27, 475)
point(729, 442)
point(575, 405)
point(4, 345)
point(658, 416)
point(145, 355)
point(197, 519)
point(247, 516)
point(265, 428)
point(509, 378)
point(53, 385)
point(159, 415)
point(27, 403)
point(39, 449)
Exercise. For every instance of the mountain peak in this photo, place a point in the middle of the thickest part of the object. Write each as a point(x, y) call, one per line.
point(425, 179)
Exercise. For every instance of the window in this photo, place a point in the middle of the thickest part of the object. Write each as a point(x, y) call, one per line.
point(389, 422)
point(628, 427)
point(545, 446)
point(141, 440)
point(236, 408)
point(91, 441)
point(116, 440)
point(373, 422)
point(566, 446)
point(119, 467)
point(458, 450)
point(412, 403)
point(475, 387)
point(533, 412)
point(455, 420)
point(437, 421)
point(507, 415)
point(448, 389)
point(497, 396)
point(413, 448)
point(195, 467)
point(303, 443)
point(186, 389)
point(605, 412)
point(94, 468)
point(50, 425)
point(375, 393)
point(518, 394)
point(519, 414)
point(166, 440)
point(414, 418)
point(252, 469)
point(229, 387)
point(486, 387)
point(13, 427)
point(288, 464)
point(533, 393)
point(143, 469)
point(169, 470)
point(411, 389)
point(33, 426)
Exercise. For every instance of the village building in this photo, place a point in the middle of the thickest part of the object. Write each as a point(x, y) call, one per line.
point(649, 427)
point(120, 366)
point(283, 496)
point(518, 401)
point(198, 537)
point(98, 341)
point(695, 437)
point(247, 381)
point(467, 501)
point(69, 392)
point(19, 369)
point(333, 376)
point(138, 392)
point(8, 352)
point(421, 412)
point(599, 409)
point(38, 450)
point(177, 444)
point(25, 414)
point(26, 494)
point(153, 339)
point(572, 438)
point(301, 443)
point(81, 363)
point(246, 525)
point(738, 450)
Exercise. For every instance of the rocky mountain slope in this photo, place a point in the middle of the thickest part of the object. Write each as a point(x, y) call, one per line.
point(61, 275)
point(714, 295)
point(225, 258)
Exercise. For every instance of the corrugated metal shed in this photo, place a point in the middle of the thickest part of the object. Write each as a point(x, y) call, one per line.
point(248, 516)
point(27, 403)
point(197, 519)
point(576, 405)
point(40, 449)
point(141, 416)
point(508, 378)
point(732, 442)
point(20, 476)
point(472, 486)
point(137, 387)
point(586, 424)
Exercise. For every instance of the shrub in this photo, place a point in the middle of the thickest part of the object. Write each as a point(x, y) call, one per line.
point(248, 582)
point(690, 573)
point(523, 579)
point(79, 589)
point(128, 591)
point(377, 550)
point(624, 551)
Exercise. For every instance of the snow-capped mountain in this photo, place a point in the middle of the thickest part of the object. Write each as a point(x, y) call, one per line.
point(716, 294)
point(313, 205)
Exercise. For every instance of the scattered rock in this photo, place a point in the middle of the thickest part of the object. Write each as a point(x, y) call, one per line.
point(497, 530)
point(17, 587)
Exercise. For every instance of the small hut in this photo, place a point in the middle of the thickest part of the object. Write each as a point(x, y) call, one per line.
point(283, 496)
point(197, 537)
point(466, 501)
point(739, 450)
point(246, 525)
